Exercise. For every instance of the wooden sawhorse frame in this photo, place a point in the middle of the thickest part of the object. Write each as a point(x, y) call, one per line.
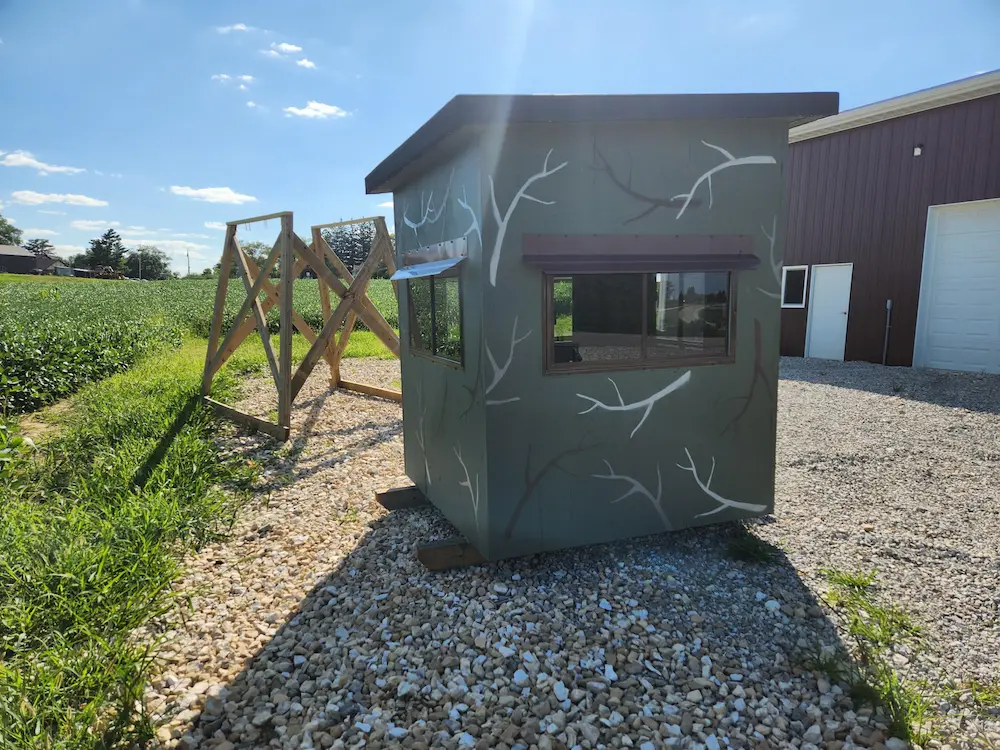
point(293, 256)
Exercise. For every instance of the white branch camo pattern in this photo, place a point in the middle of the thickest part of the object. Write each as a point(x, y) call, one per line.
point(502, 221)
point(473, 494)
point(638, 488)
point(474, 226)
point(427, 214)
point(706, 487)
point(499, 372)
point(775, 264)
point(731, 161)
point(646, 403)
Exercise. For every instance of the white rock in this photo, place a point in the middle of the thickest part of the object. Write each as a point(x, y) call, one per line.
point(712, 742)
point(521, 678)
point(561, 691)
point(396, 732)
point(363, 727)
point(403, 689)
point(298, 660)
point(609, 673)
point(772, 605)
point(466, 740)
point(501, 588)
point(503, 650)
point(740, 705)
point(605, 605)
point(647, 746)
point(894, 743)
point(813, 734)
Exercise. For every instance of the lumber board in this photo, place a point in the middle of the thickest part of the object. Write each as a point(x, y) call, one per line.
point(372, 390)
point(230, 342)
point(258, 312)
point(365, 309)
point(245, 328)
point(335, 224)
point(331, 351)
point(456, 552)
point(268, 428)
point(220, 303)
point(400, 498)
point(286, 310)
point(355, 292)
point(265, 217)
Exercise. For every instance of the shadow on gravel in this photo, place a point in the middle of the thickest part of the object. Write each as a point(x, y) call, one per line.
point(385, 651)
point(958, 390)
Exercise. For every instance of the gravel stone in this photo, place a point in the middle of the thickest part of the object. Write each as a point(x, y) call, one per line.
point(313, 626)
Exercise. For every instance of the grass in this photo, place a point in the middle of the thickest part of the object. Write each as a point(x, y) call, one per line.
point(876, 629)
point(746, 546)
point(57, 334)
point(92, 527)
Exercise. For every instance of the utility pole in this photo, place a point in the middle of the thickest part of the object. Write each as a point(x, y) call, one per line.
point(188, 252)
point(140, 264)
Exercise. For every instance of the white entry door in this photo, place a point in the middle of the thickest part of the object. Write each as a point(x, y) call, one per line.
point(829, 302)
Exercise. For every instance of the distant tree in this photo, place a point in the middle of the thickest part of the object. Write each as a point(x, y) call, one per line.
point(78, 261)
point(9, 234)
point(208, 273)
point(155, 264)
point(258, 251)
point(107, 250)
point(38, 246)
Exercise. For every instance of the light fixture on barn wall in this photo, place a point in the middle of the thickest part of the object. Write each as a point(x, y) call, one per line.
point(918, 149)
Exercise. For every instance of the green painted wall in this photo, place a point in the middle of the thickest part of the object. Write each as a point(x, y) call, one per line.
point(542, 466)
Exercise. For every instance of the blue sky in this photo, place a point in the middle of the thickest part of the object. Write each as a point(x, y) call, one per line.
point(131, 93)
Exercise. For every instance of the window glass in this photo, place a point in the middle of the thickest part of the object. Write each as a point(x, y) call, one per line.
point(597, 318)
point(606, 321)
point(793, 287)
point(690, 315)
point(435, 306)
point(447, 318)
point(420, 314)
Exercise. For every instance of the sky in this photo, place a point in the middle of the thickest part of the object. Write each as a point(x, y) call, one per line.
point(167, 118)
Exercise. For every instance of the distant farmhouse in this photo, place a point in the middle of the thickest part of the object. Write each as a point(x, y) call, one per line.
point(14, 259)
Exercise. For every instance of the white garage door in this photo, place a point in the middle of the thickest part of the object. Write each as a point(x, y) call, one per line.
point(958, 321)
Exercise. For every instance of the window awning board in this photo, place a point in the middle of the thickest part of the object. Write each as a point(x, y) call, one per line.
point(433, 268)
point(639, 253)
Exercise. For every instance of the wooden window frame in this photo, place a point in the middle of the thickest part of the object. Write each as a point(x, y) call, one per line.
point(432, 355)
point(550, 367)
point(805, 287)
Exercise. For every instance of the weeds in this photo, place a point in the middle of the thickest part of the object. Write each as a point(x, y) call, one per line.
point(876, 630)
point(92, 526)
point(746, 546)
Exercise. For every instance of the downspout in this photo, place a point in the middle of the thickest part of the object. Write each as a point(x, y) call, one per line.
point(888, 321)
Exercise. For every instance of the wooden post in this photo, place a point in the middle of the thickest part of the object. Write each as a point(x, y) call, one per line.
point(252, 289)
point(217, 311)
point(285, 327)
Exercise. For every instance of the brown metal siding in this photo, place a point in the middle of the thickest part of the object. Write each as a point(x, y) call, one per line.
point(861, 196)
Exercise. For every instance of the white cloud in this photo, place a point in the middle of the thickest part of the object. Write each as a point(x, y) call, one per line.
point(31, 198)
point(39, 233)
point(386, 204)
point(242, 87)
point(271, 53)
point(196, 236)
point(316, 110)
point(215, 225)
point(246, 79)
point(67, 249)
point(285, 48)
point(46, 211)
point(213, 195)
point(252, 104)
point(226, 78)
point(92, 225)
point(221, 77)
point(234, 27)
point(26, 159)
point(135, 229)
point(177, 248)
point(305, 63)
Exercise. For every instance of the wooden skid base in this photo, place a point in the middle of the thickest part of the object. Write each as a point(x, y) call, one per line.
point(269, 428)
point(372, 390)
point(448, 553)
point(399, 498)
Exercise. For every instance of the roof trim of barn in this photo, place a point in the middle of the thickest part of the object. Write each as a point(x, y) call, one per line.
point(956, 92)
point(456, 123)
point(15, 251)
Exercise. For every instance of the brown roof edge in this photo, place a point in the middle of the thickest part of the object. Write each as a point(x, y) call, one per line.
point(467, 110)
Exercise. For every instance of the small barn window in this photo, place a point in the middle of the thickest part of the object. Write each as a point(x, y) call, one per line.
point(436, 316)
point(605, 321)
point(793, 286)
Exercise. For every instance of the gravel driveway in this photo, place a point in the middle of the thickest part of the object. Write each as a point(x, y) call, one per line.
point(314, 626)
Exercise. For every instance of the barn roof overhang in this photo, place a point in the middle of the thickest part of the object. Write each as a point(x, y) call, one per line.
point(459, 121)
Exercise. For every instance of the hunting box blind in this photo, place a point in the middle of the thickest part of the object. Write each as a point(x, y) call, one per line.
point(588, 292)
